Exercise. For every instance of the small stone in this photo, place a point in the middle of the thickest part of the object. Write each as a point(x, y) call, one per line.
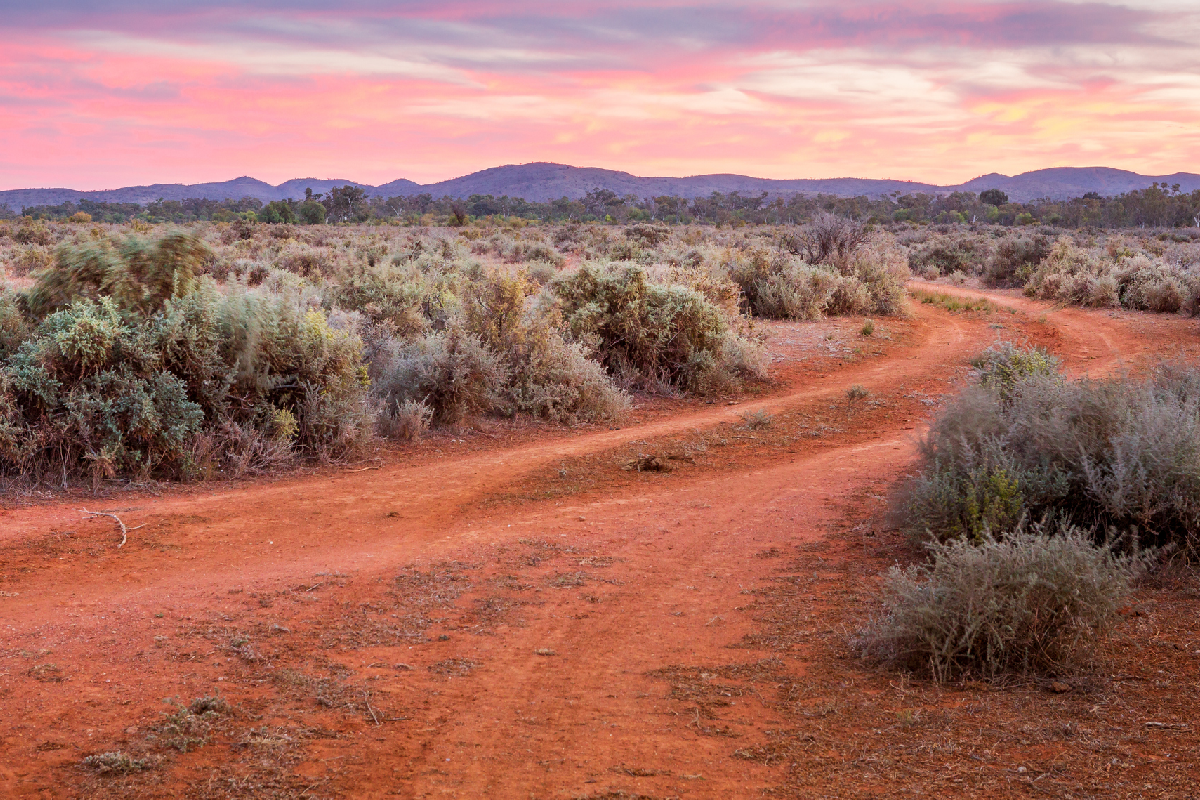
point(544, 651)
point(1059, 687)
point(443, 638)
point(1022, 770)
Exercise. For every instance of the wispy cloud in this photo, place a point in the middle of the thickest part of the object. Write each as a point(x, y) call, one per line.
point(122, 92)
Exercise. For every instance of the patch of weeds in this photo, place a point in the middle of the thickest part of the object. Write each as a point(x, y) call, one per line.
point(489, 612)
point(47, 673)
point(648, 462)
point(567, 580)
point(955, 305)
point(118, 763)
point(757, 420)
point(638, 772)
point(190, 727)
point(327, 692)
point(240, 645)
point(454, 667)
point(868, 328)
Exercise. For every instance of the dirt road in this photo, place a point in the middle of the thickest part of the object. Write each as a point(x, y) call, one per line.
point(415, 631)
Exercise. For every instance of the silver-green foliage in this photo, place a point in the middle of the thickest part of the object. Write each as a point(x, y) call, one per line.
point(1111, 455)
point(651, 334)
point(1029, 601)
point(120, 368)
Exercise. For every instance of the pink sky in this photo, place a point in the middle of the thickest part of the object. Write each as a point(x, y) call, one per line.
point(137, 92)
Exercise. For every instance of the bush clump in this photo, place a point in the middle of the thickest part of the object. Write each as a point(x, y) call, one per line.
point(1014, 260)
point(1119, 455)
point(653, 335)
point(1003, 365)
point(124, 363)
point(867, 278)
point(1031, 601)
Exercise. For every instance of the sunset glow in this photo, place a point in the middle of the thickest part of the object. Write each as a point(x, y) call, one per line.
point(125, 93)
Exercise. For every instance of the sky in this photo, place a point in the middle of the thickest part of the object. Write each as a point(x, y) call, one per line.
point(99, 94)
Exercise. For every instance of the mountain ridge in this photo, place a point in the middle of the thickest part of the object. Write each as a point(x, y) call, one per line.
point(544, 181)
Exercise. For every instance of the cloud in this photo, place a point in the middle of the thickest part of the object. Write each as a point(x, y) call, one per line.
point(373, 91)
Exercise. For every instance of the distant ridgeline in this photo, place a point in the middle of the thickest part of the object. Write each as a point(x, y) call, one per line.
point(1159, 205)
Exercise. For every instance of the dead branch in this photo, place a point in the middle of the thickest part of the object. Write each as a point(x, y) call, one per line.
point(124, 530)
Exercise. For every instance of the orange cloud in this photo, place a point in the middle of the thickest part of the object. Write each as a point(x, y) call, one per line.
point(934, 93)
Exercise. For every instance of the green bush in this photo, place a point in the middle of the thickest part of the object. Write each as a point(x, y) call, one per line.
point(451, 372)
point(1028, 602)
point(548, 377)
point(1116, 455)
point(867, 279)
point(1003, 365)
point(652, 335)
point(1014, 260)
point(127, 365)
point(1071, 274)
point(945, 256)
point(138, 276)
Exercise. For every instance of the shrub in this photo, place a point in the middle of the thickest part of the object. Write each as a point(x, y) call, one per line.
point(945, 256)
point(1119, 454)
point(138, 276)
point(548, 377)
point(406, 420)
point(869, 279)
point(168, 376)
point(828, 239)
point(1070, 274)
point(117, 763)
point(1029, 601)
point(1015, 259)
point(450, 371)
point(31, 232)
point(652, 335)
point(1148, 284)
point(1003, 365)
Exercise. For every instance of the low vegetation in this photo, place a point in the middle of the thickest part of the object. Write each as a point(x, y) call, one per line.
point(1115, 456)
point(240, 347)
point(1109, 467)
point(1157, 272)
point(1030, 601)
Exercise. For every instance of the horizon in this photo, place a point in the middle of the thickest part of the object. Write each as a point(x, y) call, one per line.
point(501, 166)
point(123, 93)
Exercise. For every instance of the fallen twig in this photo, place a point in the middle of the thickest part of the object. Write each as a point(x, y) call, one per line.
point(124, 530)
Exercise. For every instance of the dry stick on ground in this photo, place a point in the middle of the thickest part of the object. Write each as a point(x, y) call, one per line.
point(124, 530)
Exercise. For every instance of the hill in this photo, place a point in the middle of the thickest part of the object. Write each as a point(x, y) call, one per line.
point(542, 181)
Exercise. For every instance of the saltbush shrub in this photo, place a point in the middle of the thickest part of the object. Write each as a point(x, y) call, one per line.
point(867, 279)
point(653, 335)
point(1118, 455)
point(1003, 365)
point(1014, 260)
point(1029, 601)
point(126, 364)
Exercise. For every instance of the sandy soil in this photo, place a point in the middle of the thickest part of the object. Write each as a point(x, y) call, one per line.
point(656, 610)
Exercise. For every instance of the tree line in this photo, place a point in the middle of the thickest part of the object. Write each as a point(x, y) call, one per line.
point(1159, 206)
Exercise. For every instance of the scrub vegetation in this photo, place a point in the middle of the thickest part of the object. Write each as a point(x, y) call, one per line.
point(238, 348)
point(1040, 499)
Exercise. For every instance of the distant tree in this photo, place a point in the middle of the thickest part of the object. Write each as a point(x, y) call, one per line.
point(993, 197)
point(346, 204)
point(311, 212)
point(277, 211)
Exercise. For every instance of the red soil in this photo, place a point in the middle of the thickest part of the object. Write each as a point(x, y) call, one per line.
point(469, 620)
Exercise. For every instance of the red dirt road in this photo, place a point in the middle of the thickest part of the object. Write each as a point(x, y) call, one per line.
point(415, 631)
